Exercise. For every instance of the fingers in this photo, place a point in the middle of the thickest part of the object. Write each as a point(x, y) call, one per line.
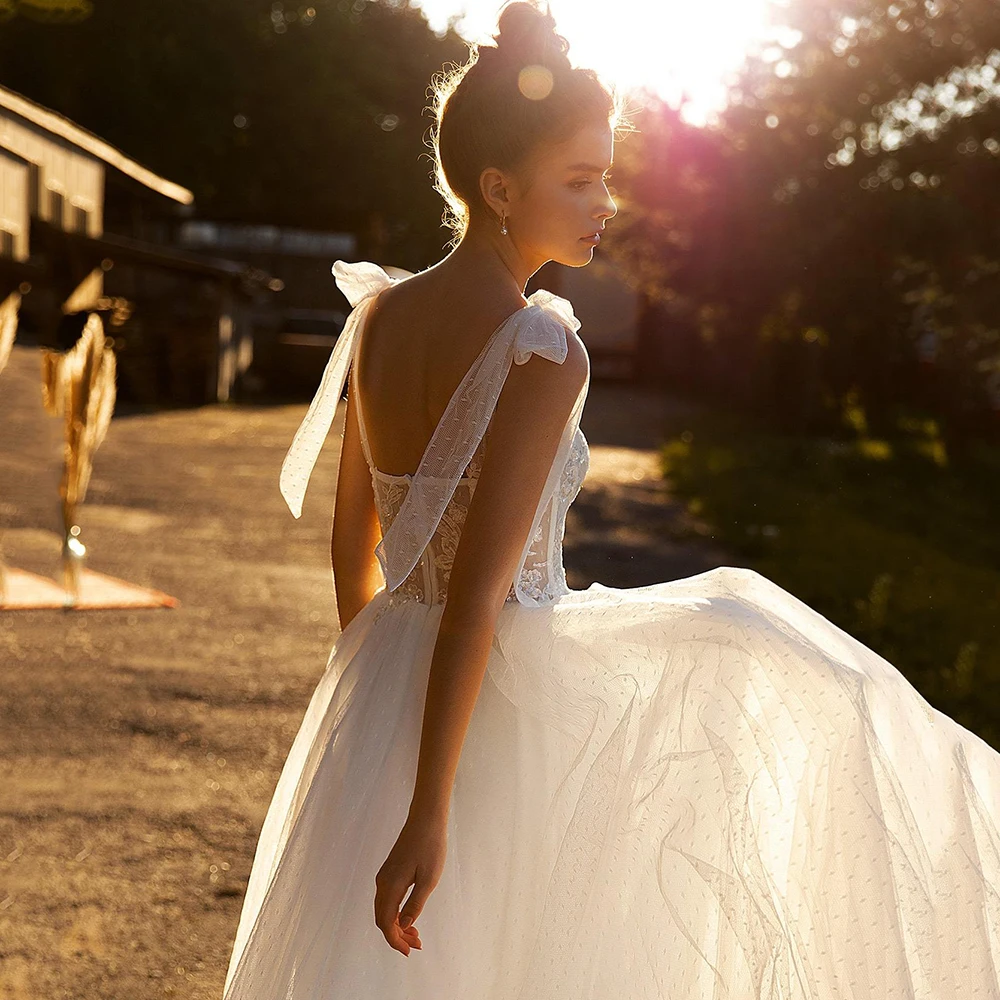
point(389, 892)
point(402, 939)
point(412, 937)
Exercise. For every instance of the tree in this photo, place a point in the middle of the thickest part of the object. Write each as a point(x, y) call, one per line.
point(847, 183)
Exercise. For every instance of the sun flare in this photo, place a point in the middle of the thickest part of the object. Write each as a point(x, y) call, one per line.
point(681, 50)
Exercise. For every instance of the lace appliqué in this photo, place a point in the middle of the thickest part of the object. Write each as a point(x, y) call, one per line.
point(543, 580)
point(575, 471)
point(544, 577)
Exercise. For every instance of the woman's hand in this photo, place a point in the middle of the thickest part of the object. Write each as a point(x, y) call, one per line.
point(417, 859)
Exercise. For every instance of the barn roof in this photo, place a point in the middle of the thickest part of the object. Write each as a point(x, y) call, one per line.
point(55, 123)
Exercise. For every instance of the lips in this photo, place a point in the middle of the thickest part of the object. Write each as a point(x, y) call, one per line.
point(594, 238)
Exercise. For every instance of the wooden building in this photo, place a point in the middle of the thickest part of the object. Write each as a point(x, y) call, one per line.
point(83, 227)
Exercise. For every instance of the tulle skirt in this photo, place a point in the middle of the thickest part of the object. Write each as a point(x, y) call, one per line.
point(698, 789)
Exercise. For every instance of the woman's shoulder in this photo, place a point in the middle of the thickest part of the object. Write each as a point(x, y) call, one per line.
point(451, 302)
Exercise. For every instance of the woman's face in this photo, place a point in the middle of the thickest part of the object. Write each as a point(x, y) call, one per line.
point(567, 200)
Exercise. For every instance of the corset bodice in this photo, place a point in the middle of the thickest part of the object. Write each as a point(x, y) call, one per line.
point(543, 576)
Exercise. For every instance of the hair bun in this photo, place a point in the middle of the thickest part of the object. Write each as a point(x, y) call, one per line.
point(528, 36)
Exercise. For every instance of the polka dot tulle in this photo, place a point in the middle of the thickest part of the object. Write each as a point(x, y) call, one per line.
point(696, 790)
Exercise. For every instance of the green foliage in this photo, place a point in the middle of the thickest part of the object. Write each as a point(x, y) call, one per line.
point(890, 539)
point(835, 229)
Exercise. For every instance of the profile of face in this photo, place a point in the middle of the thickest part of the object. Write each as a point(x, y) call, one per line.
point(563, 200)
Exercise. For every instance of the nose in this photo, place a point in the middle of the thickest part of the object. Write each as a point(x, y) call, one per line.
point(609, 210)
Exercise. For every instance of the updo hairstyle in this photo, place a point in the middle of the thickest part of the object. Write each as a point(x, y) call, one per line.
point(508, 100)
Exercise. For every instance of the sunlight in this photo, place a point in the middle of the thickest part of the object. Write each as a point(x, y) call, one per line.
point(682, 51)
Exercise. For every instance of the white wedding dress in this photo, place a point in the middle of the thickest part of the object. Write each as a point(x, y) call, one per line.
point(698, 789)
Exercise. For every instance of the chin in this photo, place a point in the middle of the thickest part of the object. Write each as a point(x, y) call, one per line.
point(583, 256)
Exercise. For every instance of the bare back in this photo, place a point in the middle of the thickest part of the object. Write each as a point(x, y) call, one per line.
point(420, 339)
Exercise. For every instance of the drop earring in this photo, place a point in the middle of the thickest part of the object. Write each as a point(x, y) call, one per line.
point(503, 224)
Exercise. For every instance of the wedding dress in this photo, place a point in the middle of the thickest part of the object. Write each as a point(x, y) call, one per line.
point(698, 789)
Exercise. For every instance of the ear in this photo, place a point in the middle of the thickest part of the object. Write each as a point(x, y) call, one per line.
point(494, 187)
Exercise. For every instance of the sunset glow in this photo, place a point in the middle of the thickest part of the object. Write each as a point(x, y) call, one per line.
point(678, 49)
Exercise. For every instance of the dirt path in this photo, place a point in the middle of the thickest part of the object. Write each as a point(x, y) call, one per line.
point(139, 749)
point(626, 529)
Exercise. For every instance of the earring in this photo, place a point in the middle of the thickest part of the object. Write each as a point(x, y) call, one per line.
point(503, 224)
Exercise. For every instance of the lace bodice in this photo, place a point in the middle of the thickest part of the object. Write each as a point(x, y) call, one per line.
point(422, 515)
point(543, 580)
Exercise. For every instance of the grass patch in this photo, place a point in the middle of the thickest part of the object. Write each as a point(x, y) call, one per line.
point(890, 540)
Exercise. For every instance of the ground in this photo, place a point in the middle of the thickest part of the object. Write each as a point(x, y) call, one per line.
point(140, 748)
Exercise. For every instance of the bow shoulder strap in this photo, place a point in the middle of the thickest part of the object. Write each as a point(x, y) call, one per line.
point(540, 328)
point(360, 282)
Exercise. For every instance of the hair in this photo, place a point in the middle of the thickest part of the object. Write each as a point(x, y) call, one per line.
point(505, 103)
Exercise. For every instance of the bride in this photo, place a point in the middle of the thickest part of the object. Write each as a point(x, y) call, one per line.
point(698, 789)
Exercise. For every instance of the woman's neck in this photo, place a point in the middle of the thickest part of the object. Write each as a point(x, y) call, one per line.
point(492, 259)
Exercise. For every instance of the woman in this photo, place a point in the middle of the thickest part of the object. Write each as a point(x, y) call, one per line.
point(697, 789)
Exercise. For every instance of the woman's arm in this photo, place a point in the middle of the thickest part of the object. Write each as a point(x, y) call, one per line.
point(356, 531)
point(524, 437)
